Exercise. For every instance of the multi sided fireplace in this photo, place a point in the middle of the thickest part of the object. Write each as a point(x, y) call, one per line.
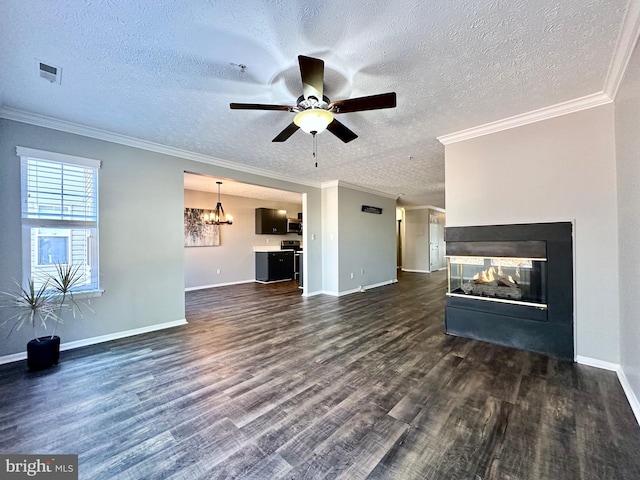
point(512, 285)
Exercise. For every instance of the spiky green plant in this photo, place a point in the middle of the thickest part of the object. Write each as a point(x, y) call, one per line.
point(62, 288)
point(31, 306)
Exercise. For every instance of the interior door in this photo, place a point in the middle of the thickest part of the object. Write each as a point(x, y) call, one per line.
point(434, 244)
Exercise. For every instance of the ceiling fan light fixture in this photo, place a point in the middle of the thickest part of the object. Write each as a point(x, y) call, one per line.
point(313, 120)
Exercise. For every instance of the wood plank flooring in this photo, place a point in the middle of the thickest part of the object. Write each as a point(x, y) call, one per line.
point(265, 384)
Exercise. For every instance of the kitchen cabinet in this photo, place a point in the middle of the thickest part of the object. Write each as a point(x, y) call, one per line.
point(271, 221)
point(274, 266)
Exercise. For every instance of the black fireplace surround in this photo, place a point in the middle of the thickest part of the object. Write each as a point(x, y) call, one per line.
point(544, 328)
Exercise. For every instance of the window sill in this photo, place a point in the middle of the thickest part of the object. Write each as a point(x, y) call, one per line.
point(84, 294)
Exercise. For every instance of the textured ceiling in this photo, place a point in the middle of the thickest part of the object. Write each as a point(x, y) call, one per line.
point(166, 71)
point(205, 183)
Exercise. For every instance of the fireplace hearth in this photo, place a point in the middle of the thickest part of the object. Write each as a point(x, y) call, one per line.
point(512, 285)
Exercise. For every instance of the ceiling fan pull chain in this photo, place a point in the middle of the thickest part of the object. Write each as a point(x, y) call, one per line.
point(315, 148)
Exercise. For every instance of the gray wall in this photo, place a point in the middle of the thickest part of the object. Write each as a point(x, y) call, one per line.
point(627, 122)
point(367, 246)
point(355, 242)
point(141, 229)
point(141, 265)
point(235, 256)
point(559, 169)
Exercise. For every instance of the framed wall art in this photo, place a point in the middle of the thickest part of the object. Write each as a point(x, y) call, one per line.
point(197, 233)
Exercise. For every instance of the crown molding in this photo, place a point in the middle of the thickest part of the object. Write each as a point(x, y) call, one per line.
point(425, 207)
point(99, 134)
point(329, 184)
point(571, 106)
point(624, 48)
point(629, 33)
point(340, 183)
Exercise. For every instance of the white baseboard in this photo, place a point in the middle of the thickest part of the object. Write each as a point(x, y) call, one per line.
point(415, 271)
point(214, 285)
point(313, 294)
point(100, 339)
point(360, 289)
point(631, 396)
point(594, 362)
point(14, 357)
point(622, 378)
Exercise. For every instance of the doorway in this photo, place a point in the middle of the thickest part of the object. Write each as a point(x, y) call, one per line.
point(436, 240)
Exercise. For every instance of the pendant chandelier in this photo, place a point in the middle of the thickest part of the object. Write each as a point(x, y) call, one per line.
point(218, 217)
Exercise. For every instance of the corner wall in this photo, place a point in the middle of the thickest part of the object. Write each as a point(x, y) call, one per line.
point(367, 247)
point(627, 124)
point(559, 169)
point(355, 242)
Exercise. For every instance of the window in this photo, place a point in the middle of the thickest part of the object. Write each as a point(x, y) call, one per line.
point(59, 215)
point(52, 247)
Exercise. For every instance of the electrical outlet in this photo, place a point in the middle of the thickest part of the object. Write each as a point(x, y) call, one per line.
point(218, 271)
point(351, 274)
point(362, 271)
point(313, 236)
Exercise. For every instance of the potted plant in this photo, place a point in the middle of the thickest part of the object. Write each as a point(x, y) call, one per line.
point(34, 307)
point(39, 306)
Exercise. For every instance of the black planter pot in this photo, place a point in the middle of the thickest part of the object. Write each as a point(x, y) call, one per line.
point(43, 352)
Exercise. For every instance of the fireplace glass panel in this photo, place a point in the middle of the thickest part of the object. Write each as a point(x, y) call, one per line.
point(508, 279)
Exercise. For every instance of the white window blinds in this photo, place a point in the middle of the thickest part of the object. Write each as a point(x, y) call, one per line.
point(59, 190)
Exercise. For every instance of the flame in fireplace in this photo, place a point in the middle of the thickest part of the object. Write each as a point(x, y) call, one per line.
point(486, 275)
point(490, 275)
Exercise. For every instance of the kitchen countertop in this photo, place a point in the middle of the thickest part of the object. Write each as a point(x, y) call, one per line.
point(274, 248)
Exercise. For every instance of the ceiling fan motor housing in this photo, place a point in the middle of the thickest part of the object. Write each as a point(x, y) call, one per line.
point(313, 102)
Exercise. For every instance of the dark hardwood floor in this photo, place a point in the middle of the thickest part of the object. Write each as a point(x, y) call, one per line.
point(264, 384)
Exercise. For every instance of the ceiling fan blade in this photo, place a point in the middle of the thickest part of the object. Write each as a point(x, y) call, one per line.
point(312, 73)
point(341, 131)
point(286, 133)
point(372, 102)
point(259, 106)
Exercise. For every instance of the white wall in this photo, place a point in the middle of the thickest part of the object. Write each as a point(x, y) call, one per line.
point(627, 123)
point(235, 256)
point(330, 238)
point(415, 257)
point(555, 170)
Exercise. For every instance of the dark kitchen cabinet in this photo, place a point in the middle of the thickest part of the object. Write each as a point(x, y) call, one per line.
point(274, 266)
point(271, 221)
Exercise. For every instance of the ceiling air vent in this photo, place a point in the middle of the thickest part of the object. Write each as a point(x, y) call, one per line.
point(49, 72)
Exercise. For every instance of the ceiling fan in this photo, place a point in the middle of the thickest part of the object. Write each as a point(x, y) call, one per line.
point(314, 111)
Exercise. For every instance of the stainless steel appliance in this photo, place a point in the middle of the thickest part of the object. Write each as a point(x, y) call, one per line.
point(297, 249)
point(294, 226)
